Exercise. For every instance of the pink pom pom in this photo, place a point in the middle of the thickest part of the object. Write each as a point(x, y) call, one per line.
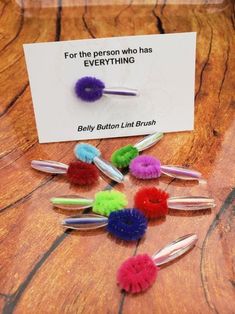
point(137, 273)
point(145, 167)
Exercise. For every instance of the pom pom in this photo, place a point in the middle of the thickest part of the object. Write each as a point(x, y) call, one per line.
point(108, 201)
point(122, 157)
point(127, 224)
point(145, 167)
point(89, 88)
point(82, 173)
point(86, 152)
point(137, 273)
point(152, 202)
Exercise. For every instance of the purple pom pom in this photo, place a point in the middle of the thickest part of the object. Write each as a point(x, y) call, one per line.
point(145, 167)
point(89, 88)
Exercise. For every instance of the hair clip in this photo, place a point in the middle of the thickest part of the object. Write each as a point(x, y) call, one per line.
point(122, 157)
point(155, 202)
point(104, 203)
point(148, 167)
point(91, 89)
point(89, 153)
point(77, 172)
point(138, 273)
point(126, 224)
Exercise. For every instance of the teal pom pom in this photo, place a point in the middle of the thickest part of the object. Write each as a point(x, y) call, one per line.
point(86, 152)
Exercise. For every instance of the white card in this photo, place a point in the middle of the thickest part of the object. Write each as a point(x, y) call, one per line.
point(160, 67)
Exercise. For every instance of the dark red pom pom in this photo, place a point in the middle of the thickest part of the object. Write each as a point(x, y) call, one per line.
point(137, 273)
point(82, 173)
point(152, 202)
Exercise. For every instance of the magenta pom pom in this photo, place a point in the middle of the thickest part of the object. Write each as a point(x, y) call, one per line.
point(145, 167)
point(137, 273)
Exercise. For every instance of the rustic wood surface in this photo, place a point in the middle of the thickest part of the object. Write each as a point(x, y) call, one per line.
point(45, 269)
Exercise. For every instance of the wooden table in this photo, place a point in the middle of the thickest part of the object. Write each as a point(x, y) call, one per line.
point(45, 269)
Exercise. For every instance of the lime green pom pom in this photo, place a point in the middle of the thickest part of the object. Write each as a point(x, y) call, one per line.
point(108, 201)
point(122, 157)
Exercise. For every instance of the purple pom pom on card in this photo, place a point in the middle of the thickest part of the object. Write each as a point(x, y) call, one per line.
point(89, 88)
point(145, 167)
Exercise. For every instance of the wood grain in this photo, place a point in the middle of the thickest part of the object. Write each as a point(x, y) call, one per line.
point(45, 269)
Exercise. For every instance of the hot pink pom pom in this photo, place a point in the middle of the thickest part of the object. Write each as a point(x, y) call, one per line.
point(145, 167)
point(137, 273)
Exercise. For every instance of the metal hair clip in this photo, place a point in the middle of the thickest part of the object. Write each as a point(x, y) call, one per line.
point(148, 167)
point(89, 153)
point(104, 202)
point(127, 224)
point(154, 202)
point(77, 172)
point(91, 89)
point(139, 272)
point(122, 157)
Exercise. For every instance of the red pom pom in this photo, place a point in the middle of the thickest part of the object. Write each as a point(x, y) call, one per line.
point(82, 173)
point(137, 273)
point(152, 202)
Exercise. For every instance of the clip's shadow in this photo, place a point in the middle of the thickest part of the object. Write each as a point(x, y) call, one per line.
point(189, 213)
point(156, 221)
point(176, 259)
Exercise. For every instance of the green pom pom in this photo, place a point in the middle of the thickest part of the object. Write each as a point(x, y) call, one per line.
point(122, 157)
point(108, 201)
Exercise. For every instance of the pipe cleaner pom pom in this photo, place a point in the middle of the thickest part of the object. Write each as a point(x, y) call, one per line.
point(82, 173)
point(122, 157)
point(86, 152)
point(137, 273)
point(127, 224)
point(152, 202)
point(89, 88)
point(108, 201)
point(145, 167)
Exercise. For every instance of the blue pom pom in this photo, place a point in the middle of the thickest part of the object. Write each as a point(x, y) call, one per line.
point(89, 88)
point(127, 224)
point(86, 152)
